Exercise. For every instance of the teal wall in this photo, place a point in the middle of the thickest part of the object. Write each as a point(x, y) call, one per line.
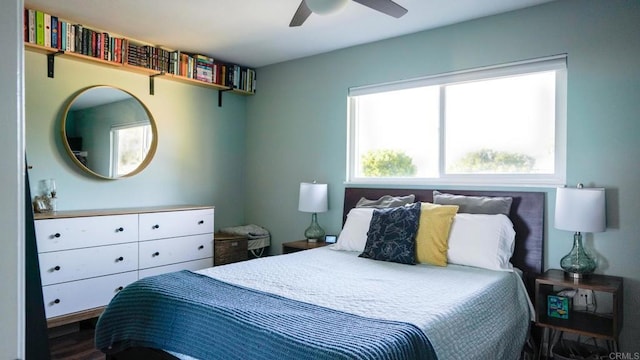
point(201, 147)
point(296, 124)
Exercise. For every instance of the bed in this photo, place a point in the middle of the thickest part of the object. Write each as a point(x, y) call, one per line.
point(332, 303)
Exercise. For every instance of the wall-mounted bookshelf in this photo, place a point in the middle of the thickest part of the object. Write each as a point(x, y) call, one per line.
point(52, 36)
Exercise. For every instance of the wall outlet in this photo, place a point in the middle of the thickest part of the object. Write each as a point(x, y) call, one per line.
point(583, 299)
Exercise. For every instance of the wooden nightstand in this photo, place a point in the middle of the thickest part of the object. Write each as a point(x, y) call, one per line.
point(300, 245)
point(586, 323)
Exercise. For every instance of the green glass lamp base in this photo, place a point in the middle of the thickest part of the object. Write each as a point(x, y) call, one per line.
point(314, 232)
point(577, 263)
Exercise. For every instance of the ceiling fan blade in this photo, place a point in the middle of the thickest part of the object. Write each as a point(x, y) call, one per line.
point(301, 15)
point(384, 6)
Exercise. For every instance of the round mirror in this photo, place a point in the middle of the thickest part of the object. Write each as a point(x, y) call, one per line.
point(108, 132)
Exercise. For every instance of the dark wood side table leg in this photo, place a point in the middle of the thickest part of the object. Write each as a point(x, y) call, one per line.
point(554, 338)
point(543, 341)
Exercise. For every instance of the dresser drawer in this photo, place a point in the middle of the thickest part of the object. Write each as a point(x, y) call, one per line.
point(161, 225)
point(229, 248)
point(70, 297)
point(166, 251)
point(189, 265)
point(69, 265)
point(80, 232)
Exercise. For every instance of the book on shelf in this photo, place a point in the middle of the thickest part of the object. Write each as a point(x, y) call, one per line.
point(40, 28)
point(106, 47)
point(77, 40)
point(47, 30)
point(174, 61)
point(54, 32)
point(30, 26)
point(63, 36)
point(71, 35)
point(186, 63)
point(59, 34)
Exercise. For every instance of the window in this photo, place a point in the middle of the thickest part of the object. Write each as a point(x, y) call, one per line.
point(501, 125)
point(129, 147)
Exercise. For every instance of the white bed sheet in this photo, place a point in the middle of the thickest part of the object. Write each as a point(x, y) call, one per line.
point(466, 312)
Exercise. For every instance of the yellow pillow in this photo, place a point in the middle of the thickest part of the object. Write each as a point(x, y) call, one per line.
point(432, 239)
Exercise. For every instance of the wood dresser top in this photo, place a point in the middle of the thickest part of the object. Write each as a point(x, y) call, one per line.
point(119, 211)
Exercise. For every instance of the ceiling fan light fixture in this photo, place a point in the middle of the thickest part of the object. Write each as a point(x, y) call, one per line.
point(323, 7)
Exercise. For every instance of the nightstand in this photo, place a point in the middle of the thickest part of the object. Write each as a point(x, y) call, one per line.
point(585, 323)
point(300, 245)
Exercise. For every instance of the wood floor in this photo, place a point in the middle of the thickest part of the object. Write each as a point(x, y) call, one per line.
point(76, 345)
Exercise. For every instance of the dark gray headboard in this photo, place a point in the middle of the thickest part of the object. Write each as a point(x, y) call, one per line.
point(527, 215)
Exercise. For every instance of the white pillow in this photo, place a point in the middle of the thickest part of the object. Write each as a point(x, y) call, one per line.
point(481, 240)
point(353, 236)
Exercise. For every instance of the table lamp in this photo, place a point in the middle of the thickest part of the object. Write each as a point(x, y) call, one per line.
point(313, 199)
point(579, 210)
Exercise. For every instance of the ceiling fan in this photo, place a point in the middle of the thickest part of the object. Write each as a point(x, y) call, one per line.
point(322, 7)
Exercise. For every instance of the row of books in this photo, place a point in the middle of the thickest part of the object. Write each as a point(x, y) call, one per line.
point(47, 30)
point(193, 66)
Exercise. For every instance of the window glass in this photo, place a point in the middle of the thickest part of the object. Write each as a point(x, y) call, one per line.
point(401, 124)
point(501, 125)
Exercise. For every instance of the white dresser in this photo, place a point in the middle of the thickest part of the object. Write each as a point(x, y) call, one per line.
point(86, 257)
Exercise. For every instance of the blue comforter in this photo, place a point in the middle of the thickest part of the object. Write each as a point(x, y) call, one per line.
point(196, 315)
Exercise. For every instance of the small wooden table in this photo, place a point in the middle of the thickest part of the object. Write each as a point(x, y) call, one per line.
point(300, 245)
point(584, 323)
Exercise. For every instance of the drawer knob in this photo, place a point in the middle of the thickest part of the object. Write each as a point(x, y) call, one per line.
point(119, 289)
point(156, 253)
point(56, 235)
point(200, 247)
point(235, 243)
point(156, 226)
point(200, 222)
point(120, 229)
point(56, 268)
point(119, 259)
point(56, 301)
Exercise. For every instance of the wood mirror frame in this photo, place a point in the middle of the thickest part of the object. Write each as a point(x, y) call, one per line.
point(94, 121)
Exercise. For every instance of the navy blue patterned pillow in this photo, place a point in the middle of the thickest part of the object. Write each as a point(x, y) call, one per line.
point(392, 234)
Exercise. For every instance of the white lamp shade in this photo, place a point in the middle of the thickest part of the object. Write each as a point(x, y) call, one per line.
point(313, 198)
point(323, 7)
point(581, 210)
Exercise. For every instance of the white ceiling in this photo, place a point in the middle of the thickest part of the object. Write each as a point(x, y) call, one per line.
point(256, 32)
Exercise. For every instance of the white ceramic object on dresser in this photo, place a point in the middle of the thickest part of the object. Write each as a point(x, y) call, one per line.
point(87, 257)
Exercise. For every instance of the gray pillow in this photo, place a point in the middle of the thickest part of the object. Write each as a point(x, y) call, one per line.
point(386, 201)
point(491, 205)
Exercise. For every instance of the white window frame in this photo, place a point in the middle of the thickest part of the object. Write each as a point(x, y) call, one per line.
point(556, 63)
